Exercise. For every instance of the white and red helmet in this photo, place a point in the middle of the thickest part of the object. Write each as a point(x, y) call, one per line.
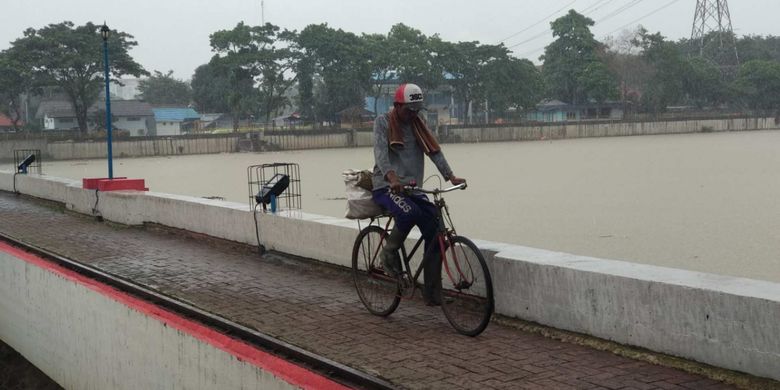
point(410, 94)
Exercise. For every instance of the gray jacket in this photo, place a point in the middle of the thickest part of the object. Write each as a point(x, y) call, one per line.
point(407, 162)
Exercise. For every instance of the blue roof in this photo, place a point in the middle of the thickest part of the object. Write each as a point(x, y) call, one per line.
point(175, 114)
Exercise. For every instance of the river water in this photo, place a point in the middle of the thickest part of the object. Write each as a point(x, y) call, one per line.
point(703, 202)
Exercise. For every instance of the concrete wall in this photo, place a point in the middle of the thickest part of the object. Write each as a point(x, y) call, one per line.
point(65, 150)
point(85, 335)
point(607, 129)
point(720, 320)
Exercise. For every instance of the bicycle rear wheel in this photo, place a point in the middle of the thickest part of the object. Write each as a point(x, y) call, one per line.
point(467, 289)
point(379, 292)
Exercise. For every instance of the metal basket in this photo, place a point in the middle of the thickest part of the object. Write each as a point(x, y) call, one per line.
point(258, 177)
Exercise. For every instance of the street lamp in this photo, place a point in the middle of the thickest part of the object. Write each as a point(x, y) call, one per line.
point(104, 31)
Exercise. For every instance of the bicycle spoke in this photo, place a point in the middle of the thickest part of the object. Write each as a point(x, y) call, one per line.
point(467, 292)
point(377, 291)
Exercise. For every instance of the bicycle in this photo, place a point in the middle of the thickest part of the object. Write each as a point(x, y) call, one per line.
point(467, 289)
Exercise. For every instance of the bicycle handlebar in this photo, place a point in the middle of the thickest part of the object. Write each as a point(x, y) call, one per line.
point(436, 191)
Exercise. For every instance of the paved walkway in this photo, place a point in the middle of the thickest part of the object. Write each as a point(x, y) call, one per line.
point(315, 307)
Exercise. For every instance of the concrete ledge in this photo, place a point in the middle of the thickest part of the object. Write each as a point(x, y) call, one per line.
point(720, 320)
point(85, 335)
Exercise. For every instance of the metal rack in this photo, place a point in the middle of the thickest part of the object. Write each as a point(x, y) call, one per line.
point(20, 155)
point(260, 175)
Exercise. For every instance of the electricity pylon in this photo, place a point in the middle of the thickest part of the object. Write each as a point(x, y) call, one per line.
point(712, 34)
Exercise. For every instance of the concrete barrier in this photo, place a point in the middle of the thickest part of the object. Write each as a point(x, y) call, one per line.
point(85, 335)
point(229, 143)
point(720, 320)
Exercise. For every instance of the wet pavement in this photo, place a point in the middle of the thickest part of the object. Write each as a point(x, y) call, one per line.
point(314, 306)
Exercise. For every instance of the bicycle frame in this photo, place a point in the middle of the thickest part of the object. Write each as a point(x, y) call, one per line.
point(444, 234)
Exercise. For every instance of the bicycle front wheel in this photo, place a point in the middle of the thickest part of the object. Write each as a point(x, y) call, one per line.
point(467, 289)
point(379, 292)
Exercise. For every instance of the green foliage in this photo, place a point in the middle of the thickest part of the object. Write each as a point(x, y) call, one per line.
point(758, 84)
point(15, 80)
point(512, 83)
point(339, 58)
point(71, 57)
point(162, 88)
point(704, 83)
point(211, 88)
point(598, 82)
point(259, 61)
point(756, 47)
point(569, 61)
point(665, 85)
point(466, 64)
point(414, 56)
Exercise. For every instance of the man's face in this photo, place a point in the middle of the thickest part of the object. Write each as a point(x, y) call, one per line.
point(407, 112)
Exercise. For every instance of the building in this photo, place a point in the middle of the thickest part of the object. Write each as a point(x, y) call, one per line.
point(176, 121)
point(558, 111)
point(57, 115)
point(439, 103)
point(134, 116)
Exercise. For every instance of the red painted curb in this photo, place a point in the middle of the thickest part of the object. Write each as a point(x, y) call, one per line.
point(289, 372)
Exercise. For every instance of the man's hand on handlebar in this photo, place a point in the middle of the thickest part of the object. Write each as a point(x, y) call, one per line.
point(395, 183)
point(457, 180)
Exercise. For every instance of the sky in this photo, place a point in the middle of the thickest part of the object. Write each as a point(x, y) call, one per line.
point(174, 34)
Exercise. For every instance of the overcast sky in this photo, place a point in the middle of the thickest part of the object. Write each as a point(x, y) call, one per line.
point(174, 34)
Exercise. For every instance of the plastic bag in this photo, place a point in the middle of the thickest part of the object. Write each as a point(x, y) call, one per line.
point(360, 205)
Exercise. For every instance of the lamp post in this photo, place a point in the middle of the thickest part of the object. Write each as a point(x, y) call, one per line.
point(104, 31)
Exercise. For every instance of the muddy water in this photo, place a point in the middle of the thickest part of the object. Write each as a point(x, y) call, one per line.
point(705, 202)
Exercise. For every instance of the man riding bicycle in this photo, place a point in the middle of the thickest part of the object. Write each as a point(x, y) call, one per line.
point(401, 137)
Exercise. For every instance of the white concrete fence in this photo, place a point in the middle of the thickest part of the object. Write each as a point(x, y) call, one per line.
point(229, 143)
point(724, 321)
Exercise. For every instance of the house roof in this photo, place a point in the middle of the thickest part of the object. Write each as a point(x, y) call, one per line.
point(7, 122)
point(55, 109)
point(63, 109)
point(175, 114)
point(129, 108)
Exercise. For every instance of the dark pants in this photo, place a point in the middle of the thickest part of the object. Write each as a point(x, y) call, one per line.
point(416, 210)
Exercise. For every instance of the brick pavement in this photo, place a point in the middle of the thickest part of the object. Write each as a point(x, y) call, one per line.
point(315, 306)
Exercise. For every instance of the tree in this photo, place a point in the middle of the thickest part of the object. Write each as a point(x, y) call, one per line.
point(624, 60)
point(72, 58)
point(338, 59)
point(757, 47)
point(415, 57)
point(598, 82)
point(704, 83)
point(758, 84)
point(512, 83)
point(162, 88)
point(665, 86)
point(383, 64)
point(253, 58)
point(568, 58)
point(464, 63)
point(211, 88)
point(15, 80)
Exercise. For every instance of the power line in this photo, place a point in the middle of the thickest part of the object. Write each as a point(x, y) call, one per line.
point(667, 5)
point(539, 22)
point(593, 8)
point(620, 10)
